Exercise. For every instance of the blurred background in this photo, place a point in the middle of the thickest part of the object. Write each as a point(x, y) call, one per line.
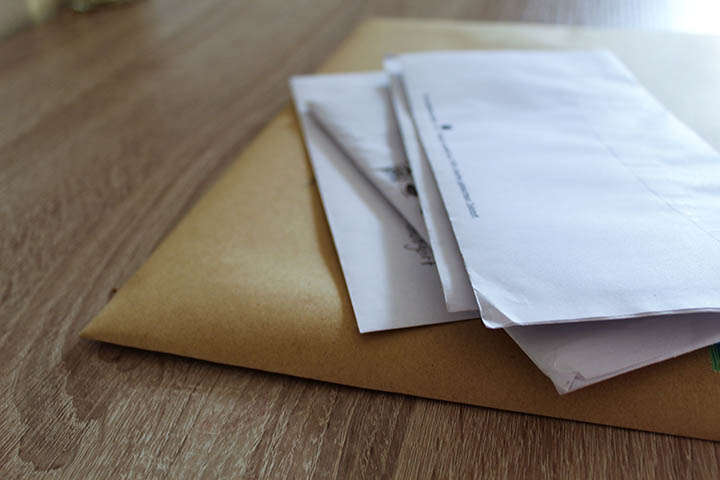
point(16, 14)
point(696, 16)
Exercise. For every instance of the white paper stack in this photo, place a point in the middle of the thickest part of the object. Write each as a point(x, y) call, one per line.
point(560, 202)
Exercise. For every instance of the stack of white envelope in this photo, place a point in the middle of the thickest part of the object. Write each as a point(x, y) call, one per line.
point(545, 192)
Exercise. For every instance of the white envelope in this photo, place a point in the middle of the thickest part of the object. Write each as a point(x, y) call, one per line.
point(573, 195)
point(571, 355)
point(459, 295)
point(575, 355)
point(384, 164)
point(389, 270)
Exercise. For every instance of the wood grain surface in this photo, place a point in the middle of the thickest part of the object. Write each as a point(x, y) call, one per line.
point(111, 126)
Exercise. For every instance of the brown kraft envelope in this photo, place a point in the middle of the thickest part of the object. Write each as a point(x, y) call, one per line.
point(250, 276)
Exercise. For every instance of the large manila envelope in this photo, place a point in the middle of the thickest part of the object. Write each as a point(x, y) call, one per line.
point(250, 276)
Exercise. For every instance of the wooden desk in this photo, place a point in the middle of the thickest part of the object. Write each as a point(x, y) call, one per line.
point(111, 126)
